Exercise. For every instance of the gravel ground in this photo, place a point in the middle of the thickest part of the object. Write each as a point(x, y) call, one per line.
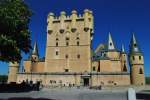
point(68, 94)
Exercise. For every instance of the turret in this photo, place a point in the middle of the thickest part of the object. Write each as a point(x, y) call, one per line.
point(50, 23)
point(124, 61)
point(34, 58)
point(13, 70)
point(62, 24)
point(91, 21)
point(35, 54)
point(110, 43)
point(73, 22)
point(136, 63)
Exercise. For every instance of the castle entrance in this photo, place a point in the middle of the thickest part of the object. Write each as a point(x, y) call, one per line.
point(86, 81)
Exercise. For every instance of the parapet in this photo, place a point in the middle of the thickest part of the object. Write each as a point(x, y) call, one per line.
point(87, 17)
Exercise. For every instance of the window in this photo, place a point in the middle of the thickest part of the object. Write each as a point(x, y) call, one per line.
point(57, 39)
point(133, 58)
point(67, 38)
point(135, 45)
point(140, 57)
point(140, 71)
point(89, 19)
point(66, 56)
point(110, 44)
point(56, 44)
point(78, 56)
point(66, 70)
point(77, 38)
point(56, 52)
point(124, 68)
point(78, 43)
point(49, 31)
point(94, 68)
point(67, 43)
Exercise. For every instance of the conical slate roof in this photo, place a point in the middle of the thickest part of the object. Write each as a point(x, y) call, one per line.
point(134, 47)
point(35, 49)
point(110, 43)
point(122, 49)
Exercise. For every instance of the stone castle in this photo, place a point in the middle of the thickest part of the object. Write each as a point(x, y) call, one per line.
point(70, 61)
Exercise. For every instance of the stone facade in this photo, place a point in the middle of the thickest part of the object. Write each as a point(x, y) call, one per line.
point(70, 61)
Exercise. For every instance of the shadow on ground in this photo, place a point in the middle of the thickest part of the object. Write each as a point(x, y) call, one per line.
point(22, 98)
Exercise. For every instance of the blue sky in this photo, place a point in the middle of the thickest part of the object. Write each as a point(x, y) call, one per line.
point(120, 17)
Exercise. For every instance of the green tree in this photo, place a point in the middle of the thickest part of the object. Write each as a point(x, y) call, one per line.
point(14, 32)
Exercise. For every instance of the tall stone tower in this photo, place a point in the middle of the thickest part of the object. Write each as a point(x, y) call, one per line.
point(13, 70)
point(69, 42)
point(136, 63)
point(124, 60)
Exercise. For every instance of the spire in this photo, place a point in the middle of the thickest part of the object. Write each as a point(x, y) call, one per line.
point(134, 45)
point(35, 49)
point(110, 43)
point(122, 49)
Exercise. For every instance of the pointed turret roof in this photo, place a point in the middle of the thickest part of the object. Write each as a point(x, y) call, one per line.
point(134, 48)
point(122, 49)
point(35, 49)
point(110, 43)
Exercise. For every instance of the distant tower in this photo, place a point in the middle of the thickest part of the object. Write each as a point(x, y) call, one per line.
point(13, 70)
point(124, 60)
point(34, 57)
point(136, 63)
point(35, 53)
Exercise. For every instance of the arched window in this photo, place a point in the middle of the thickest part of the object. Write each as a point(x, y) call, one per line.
point(140, 71)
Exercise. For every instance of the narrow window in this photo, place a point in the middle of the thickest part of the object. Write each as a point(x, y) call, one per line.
point(140, 57)
point(78, 56)
point(56, 52)
point(78, 43)
point(56, 44)
point(66, 56)
point(67, 43)
point(124, 68)
point(94, 68)
point(133, 58)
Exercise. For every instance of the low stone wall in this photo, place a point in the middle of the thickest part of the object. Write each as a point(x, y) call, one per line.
point(76, 79)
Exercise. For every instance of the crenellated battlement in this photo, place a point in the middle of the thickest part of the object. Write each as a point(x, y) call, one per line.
point(87, 13)
point(87, 17)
